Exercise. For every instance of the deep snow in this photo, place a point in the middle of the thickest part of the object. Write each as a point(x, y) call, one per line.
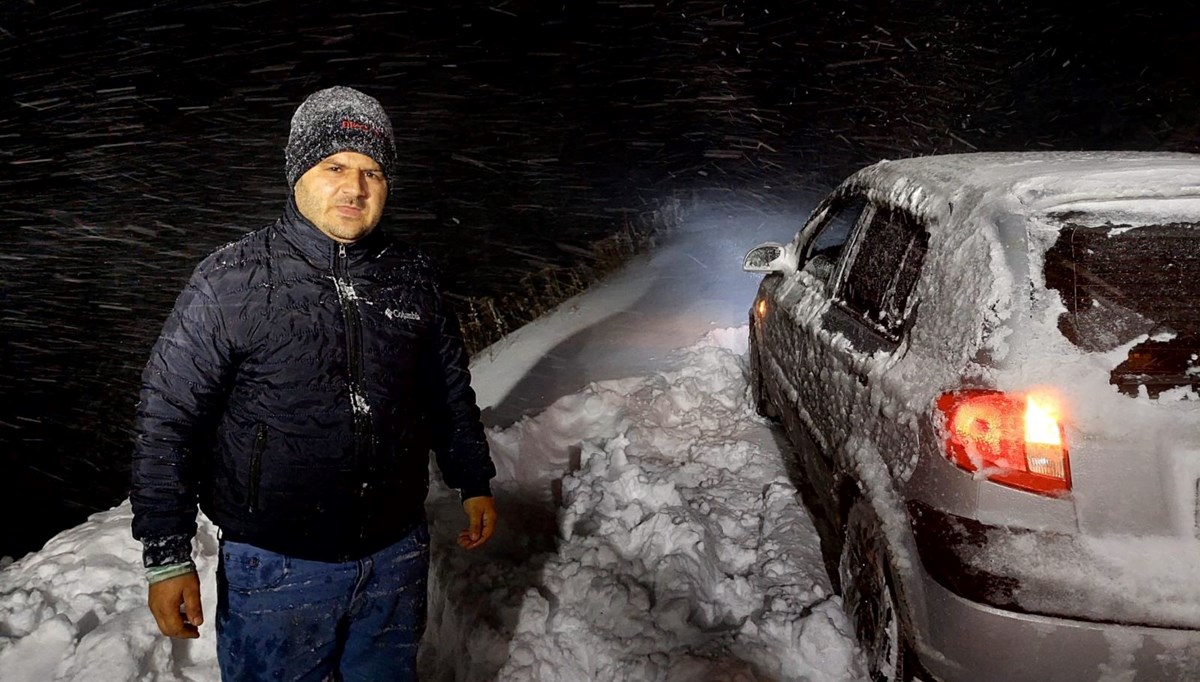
point(648, 528)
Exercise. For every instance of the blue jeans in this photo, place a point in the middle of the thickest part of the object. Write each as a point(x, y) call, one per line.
point(280, 618)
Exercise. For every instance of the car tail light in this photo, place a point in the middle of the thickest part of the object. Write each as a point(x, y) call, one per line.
point(1014, 440)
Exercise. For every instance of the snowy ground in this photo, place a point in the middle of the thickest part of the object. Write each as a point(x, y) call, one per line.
point(648, 531)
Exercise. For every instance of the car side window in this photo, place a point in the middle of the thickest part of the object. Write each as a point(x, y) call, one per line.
point(832, 236)
point(879, 282)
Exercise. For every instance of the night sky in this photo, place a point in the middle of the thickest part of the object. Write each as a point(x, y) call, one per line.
point(133, 141)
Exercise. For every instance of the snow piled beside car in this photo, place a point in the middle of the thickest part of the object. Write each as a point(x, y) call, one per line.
point(680, 550)
point(650, 532)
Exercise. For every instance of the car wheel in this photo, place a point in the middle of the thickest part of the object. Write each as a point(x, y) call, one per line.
point(762, 403)
point(868, 596)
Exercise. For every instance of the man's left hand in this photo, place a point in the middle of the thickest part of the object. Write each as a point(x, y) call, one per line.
point(481, 514)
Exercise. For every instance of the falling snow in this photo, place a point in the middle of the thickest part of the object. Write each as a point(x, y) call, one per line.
point(134, 143)
point(649, 528)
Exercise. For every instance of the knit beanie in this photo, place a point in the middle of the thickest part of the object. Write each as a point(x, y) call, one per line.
point(339, 119)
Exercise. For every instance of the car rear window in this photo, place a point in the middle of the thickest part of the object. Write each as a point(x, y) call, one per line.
point(1120, 282)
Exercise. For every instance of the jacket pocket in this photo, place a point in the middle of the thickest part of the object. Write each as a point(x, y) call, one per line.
point(260, 444)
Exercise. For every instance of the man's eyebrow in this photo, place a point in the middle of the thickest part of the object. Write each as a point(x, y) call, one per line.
point(364, 169)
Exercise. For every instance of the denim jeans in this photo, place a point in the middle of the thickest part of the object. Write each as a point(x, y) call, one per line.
point(281, 618)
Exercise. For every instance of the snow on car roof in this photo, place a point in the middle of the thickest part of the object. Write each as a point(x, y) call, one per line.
point(1033, 182)
point(982, 277)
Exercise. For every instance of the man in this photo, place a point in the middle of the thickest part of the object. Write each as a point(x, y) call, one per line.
point(295, 393)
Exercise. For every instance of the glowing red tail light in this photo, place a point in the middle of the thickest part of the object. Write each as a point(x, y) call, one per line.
point(1014, 440)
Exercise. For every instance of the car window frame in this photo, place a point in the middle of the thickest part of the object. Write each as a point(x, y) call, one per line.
point(822, 215)
point(850, 254)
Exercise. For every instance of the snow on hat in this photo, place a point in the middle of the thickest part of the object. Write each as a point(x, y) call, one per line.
point(339, 119)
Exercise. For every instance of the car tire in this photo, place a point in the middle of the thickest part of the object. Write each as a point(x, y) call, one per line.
point(869, 597)
point(762, 402)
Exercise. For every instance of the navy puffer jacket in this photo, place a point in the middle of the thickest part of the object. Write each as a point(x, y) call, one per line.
point(295, 393)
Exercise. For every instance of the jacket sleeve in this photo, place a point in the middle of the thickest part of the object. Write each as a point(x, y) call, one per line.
point(183, 388)
point(459, 442)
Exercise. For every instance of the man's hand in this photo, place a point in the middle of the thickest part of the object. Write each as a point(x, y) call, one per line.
point(481, 512)
point(165, 599)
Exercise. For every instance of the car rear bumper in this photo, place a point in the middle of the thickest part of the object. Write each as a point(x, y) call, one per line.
point(961, 640)
point(1148, 582)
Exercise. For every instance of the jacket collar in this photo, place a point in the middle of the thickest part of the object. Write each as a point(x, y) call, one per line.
point(318, 248)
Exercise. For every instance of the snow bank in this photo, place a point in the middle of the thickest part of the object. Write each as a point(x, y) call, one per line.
point(679, 549)
point(649, 532)
point(76, 610)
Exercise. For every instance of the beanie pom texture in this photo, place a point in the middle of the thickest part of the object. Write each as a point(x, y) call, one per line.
point(339, 119)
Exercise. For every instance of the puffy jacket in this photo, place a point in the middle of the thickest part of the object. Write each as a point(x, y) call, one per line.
point(295, 393)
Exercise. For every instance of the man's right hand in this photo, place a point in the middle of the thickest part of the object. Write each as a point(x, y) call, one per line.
point(166, 598)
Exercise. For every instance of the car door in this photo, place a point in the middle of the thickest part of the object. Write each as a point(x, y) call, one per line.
point(793, 354)
point(871, 309)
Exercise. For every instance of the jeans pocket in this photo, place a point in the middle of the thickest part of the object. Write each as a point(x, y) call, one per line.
point(249, 569)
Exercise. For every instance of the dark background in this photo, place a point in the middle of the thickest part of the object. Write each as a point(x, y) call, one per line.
point(133, 140)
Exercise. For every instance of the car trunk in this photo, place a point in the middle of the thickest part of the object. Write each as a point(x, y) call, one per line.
point(1129, 280)
point(1131, 293)
point(1136, 285)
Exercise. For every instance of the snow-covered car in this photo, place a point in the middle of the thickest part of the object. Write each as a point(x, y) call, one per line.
point(988, 365)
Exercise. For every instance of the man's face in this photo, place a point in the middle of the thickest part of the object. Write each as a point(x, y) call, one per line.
point(343, 195)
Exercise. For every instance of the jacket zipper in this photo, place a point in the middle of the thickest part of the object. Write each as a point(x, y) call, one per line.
point(359, 407)
point(260, 444)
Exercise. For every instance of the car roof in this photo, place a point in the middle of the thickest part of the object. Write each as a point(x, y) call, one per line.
point(1032, 182)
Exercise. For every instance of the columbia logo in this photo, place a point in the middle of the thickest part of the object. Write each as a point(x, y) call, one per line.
point(402, 315)
point(347, 124)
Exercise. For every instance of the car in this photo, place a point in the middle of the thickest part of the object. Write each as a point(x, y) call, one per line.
point(988, 368)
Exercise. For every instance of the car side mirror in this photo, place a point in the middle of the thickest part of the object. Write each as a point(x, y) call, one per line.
point(770, 257)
